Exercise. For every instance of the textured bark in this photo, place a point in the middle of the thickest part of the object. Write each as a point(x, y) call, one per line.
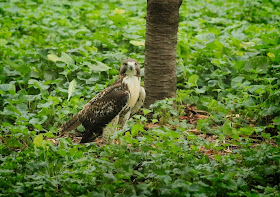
point(160, 49)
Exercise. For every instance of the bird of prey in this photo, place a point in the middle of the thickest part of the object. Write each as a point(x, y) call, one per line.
point(111, 107)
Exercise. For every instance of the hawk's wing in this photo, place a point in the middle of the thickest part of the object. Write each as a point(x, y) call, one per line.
point(140, 102)
point(99, 111)
point(102, 111)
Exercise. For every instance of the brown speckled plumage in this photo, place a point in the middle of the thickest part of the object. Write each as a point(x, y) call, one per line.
point(110, 105)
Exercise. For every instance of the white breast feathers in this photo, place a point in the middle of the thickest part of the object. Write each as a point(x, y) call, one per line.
point(134, 84)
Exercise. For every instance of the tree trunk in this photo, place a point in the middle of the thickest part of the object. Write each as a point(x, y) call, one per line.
point(160, 49)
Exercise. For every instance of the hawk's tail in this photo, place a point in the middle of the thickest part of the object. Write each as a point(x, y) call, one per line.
point(70, 125)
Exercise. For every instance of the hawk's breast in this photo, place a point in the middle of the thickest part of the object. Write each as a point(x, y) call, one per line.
point(133, 83)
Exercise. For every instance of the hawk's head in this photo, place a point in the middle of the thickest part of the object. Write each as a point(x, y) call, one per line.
point(130, 67)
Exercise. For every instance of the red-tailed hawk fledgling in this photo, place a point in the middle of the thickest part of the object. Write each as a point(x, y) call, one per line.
point(113, 106)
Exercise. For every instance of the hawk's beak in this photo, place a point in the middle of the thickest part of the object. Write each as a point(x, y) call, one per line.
point(130, 65)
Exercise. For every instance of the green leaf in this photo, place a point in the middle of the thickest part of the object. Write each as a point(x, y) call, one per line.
point(193, 80)
point(99, 67)
point(45, 105)
point(136, 128)
point(109, 176)
point(270, 110)
point(53, 57)
point(246, 131)
point(206, 38)
point(230, 184)
point(7, 88)
point(38, 84)
point(3, 42)
point(200, 90)
point(259, 89)
point(238, 34)
point(11, 63)
point(212, 83)
point(119, 11)
point(71, 88)
point(38, 120)
point(276, 120)
point(179, 183)
point(236, 82)
point(137, 43)
point(201, 123)
point(146, 111)
point(227, 128)
point(258, 63)
point(66, 59)
point(164, 178)
point(38, 141)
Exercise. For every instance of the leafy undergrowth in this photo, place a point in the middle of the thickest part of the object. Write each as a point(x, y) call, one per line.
point(56, 55)
point(150, 159)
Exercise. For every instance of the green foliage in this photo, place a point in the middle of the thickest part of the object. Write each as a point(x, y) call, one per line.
point(56, 55)
point(164, 110)
point(230, 56)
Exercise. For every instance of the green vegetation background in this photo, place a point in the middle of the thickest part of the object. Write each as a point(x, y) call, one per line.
point(228, 64)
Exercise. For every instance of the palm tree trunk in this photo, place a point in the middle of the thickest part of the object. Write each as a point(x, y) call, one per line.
point(160, 49)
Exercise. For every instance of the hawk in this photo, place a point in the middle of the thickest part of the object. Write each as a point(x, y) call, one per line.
point(111, 107)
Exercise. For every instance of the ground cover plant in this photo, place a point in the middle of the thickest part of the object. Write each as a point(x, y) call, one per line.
point(222, 140)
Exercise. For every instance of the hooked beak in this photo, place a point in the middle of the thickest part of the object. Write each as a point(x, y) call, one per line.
point(130, 65)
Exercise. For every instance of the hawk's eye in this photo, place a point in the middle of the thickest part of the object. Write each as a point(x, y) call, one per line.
point(125, 64)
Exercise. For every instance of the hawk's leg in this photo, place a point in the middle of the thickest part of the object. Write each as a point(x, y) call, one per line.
point(109, 130)
point(123, 119)
point(122, 122)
